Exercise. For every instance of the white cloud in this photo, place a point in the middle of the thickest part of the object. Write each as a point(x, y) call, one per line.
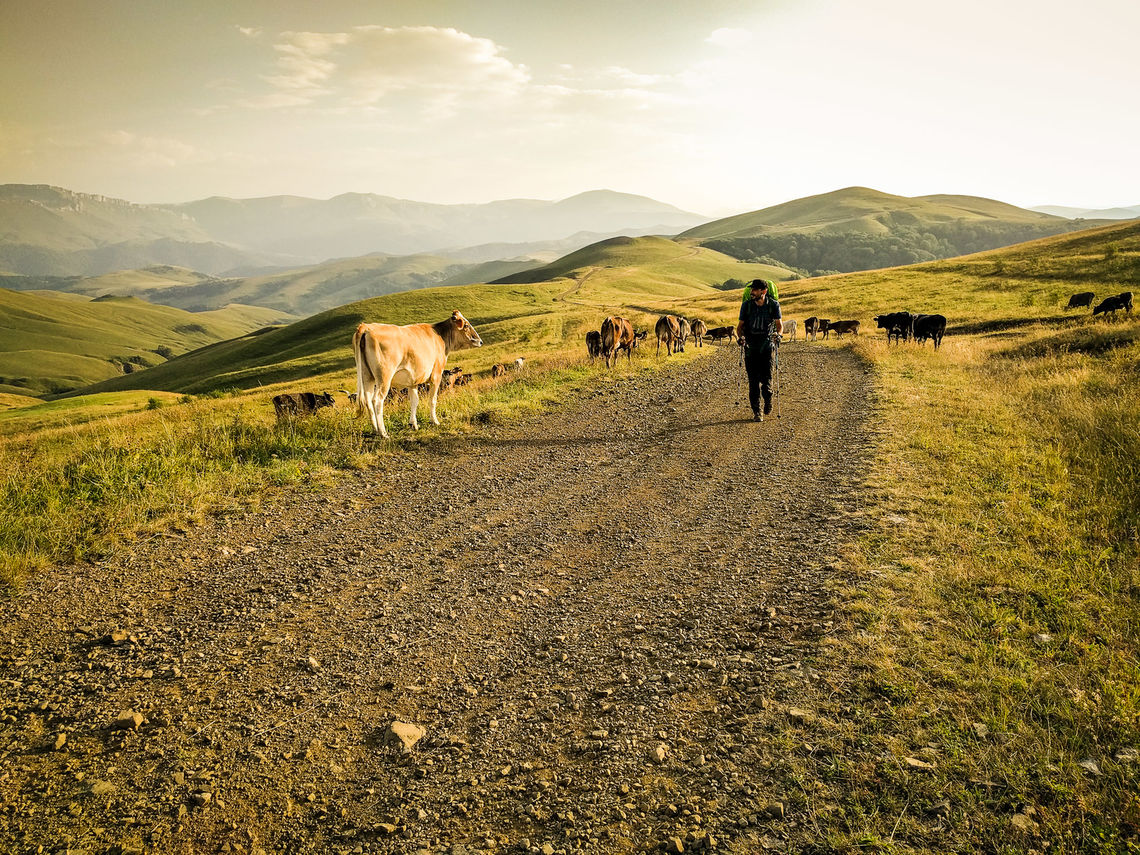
point(729, 37)
point(368, 65)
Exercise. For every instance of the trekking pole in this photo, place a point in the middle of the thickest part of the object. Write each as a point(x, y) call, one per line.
point(776, 351)
point(740, 365)
point(779, 387)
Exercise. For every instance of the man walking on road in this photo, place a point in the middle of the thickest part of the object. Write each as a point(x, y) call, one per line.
point(759, 330)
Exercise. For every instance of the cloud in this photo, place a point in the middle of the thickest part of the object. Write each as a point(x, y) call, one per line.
point(369, 65)
point(729, 37)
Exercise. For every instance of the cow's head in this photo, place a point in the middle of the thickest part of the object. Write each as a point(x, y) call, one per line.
point(465, 333)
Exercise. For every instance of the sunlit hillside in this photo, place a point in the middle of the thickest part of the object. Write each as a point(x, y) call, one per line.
point(858, 228)
point(639, 276)
point(52, 345)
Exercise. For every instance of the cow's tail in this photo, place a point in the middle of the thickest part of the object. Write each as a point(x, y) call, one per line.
point(364, 374)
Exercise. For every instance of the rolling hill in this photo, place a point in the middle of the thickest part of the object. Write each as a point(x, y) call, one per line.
point(299, 291)
point(555, 304)
point(50, 345)
point(860, 229)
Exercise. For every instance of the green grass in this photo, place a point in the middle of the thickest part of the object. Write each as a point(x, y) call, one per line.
point(49, 345)
point(646, 276)
point(997, 591)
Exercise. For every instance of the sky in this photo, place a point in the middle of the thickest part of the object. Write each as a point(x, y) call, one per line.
point(717, 107)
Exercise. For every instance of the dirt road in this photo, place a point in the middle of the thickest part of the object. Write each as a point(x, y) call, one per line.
point(603, 619)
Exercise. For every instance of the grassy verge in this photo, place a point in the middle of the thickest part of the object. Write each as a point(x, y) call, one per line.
point(990, 699)
point(80, 477)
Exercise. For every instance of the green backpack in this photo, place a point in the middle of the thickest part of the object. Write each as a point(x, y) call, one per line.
point(772, 292)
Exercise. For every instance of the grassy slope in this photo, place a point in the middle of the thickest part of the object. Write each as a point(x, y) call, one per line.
point(991, 600)
point(646, 275)
point(50, 344)
point(301, 291)
point(861, 209)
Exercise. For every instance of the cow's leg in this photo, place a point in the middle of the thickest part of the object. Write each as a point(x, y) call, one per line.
point(376, 409)
point(435, 382)
point(413, 405)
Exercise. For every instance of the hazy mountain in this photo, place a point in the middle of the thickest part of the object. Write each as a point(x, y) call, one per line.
point(355, 224)
point(51, 231)
point(1130, 213)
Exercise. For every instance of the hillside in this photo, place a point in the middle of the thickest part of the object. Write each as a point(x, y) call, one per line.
point(298, 291)
point(559, 302)
point(50, 345)
point(860, 229)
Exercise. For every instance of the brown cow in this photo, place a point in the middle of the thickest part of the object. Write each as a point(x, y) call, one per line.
point(300, 403)
point(405, 356)
point(498, 369)
point(841, 327)
point(700, 330)
point(451, 377)
point(617, 335)
point(668, 329)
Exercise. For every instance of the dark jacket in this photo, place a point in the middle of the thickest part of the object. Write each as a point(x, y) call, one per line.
point(758, 320)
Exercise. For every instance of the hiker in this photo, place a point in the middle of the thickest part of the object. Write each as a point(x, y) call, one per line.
point(759, 331)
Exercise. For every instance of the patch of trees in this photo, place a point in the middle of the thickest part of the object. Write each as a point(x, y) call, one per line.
point(819, 254)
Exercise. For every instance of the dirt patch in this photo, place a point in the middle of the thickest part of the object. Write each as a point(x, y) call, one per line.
point(604, 619)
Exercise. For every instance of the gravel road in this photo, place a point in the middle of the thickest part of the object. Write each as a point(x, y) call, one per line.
point(600, 622)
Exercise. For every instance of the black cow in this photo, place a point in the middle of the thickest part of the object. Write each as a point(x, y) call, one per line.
point(1112, 305)
point(594, 344)
point(300, 403)
point(928, 326)
point(896, 324)
point(717, 333)
point(1084, 298)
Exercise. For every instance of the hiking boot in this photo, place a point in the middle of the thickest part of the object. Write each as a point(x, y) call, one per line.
point(768, 406)
point(756, 417)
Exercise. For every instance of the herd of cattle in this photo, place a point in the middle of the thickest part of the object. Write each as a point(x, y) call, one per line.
point(1107, 306)
point(409, 359)
point(618, 334)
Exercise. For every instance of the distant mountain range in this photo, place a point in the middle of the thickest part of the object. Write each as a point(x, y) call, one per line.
point(47, 230)
point(204, 255)
point(1129, 213)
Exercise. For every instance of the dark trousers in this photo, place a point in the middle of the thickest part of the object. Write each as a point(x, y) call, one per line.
point(759, 360)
